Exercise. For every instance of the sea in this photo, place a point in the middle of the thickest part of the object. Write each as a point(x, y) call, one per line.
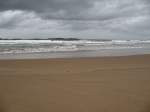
point(70, 48)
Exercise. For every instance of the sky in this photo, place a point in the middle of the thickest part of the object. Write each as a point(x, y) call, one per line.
point(94, 19)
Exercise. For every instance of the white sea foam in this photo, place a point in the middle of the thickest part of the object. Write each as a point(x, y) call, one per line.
point(35, 46)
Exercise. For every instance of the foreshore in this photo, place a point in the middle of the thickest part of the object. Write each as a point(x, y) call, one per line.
point(101, 84)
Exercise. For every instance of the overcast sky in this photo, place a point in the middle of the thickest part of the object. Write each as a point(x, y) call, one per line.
point(103, 19)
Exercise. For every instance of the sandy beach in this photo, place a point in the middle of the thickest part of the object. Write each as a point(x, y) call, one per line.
point(105, 84)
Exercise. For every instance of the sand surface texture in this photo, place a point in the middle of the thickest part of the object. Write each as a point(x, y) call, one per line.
point(106, 84)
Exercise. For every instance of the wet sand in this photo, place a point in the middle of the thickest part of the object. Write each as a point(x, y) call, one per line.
point(105, 84)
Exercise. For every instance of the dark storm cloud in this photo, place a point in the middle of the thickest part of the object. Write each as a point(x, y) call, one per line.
point(74, 9)
point(41, 5)
point(54, 9)
point(124, 18)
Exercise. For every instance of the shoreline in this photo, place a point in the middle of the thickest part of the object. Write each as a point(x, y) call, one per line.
point(40, 56)
point(69, 58)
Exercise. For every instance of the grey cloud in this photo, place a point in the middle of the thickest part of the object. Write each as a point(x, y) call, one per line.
point(87, 10)
point(7, 20)
point(75, 9)
point(54, 9)
point(118, 17)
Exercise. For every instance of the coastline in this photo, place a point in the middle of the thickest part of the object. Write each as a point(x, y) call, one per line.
point(74, 58)
point(71, 48)
point(77, 54)
point(111, 84)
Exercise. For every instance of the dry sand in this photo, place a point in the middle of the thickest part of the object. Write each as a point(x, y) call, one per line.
point(107, 84)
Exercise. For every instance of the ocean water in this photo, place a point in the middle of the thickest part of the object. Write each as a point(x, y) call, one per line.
point(71, 48)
